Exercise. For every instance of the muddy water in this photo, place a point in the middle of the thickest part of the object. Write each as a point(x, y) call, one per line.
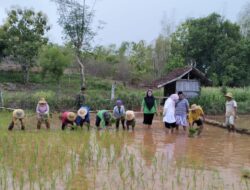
point(215, 150)
point(214, 153)
point(242, 121)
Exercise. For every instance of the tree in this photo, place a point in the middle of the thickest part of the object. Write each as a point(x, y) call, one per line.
point(244, 20)
point(161, 54)
point(76, 20)
point(25, 32)
point(3, 43)
point(54, 60)
point(203, 41)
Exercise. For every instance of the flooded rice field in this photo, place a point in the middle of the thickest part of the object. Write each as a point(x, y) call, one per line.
point(110, 159)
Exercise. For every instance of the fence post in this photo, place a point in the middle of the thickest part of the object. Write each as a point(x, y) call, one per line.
point(1, 98)
point(113, 91)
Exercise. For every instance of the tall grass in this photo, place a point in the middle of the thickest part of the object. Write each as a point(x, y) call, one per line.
point(213, 101)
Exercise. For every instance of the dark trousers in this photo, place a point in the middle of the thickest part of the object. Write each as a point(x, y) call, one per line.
point(64, 124)
point(117, 122)
point(97, 121)
point(11, 126)
point(132, 123)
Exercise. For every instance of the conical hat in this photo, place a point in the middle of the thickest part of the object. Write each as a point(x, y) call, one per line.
point(18, 113)
point(194, 107)
point(229, 94)
point(42, 101)
point(71, 116)
point(82, 112)
point(130, 115)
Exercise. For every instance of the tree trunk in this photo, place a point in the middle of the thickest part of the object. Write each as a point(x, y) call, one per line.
point(26, 74)
point(82, 71)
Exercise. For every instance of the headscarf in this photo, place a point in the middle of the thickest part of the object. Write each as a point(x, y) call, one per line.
point(174, 97)
point(149, 100)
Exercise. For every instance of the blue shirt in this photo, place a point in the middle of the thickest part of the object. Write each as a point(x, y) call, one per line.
point(181, 107)
point(86, 119)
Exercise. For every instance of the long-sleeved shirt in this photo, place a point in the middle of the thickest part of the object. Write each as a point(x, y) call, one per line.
point(119, 112)
point(101, 116)
point(145, 108)
point(79, 120)
point(42, 110)
point(65, 120)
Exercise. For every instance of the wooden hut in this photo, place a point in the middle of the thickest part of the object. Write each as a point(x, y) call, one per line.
point(187, 79)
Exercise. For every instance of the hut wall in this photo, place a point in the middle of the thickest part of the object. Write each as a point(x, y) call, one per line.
point(191, 88)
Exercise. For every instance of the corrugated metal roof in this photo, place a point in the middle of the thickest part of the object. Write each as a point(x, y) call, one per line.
point(178, 74)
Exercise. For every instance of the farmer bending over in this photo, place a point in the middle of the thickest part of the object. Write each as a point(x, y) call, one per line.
point(42, 110)
point(68, 118)
point(119, 113)
point(83, 116)
point(103, 119)
point(17, 116)
point(130, 119)
point(196, 115)
point(231, 110)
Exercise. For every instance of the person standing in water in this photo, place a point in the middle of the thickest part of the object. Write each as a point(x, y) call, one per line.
point(169, 112)
point(231, 111)
point(181, 111)
point(149, 108)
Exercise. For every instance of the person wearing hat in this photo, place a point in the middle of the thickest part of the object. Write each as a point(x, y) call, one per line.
point(149, 108)
point(231, 111)
point(119, 113)
point(80, 98)
point(103, 119)
point(130, 119)
point(83, 116)
point(68, 118)
point(17, 116)
point(42, 110)
point(196, 116)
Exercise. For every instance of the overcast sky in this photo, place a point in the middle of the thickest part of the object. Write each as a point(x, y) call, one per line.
point(132, 20)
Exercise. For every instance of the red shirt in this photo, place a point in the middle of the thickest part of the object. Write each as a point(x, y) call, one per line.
point(64, 116)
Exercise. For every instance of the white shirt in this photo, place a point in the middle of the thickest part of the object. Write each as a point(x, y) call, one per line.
point(169, 111)
point(230, 107)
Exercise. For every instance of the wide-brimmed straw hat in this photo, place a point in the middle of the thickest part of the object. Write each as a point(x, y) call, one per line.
point(193, 107)
point(229, 94)
point(82, 112)
point(18, 113)
point(42, 101)
point(130, 115)
point(71, 116)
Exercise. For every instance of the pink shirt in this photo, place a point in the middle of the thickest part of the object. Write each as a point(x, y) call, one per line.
point(64, 116)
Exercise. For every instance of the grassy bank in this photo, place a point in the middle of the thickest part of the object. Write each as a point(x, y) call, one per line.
point(97, 95)
point(213, 101)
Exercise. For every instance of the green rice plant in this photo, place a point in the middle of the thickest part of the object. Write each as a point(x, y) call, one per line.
point(245, 173)
point(192, 131)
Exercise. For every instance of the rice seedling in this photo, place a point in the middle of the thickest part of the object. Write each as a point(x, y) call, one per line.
point(245, 173)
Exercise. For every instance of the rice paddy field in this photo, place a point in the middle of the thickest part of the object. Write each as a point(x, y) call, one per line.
point(110, 159)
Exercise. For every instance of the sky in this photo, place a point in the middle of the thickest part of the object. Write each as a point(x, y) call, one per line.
point(132, 20)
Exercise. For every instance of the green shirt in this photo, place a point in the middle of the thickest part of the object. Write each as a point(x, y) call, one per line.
point(100, 115)
point(145, 108)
